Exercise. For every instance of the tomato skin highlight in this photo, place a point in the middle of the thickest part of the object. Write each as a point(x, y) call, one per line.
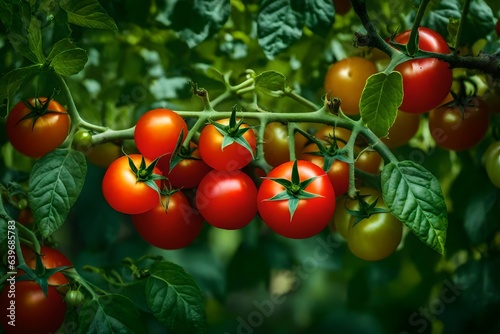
point(122, 191)
point(227, 199)
point(311, 216)
point(346, 80)
point(233, 156)
point(452, 131)
point(172, 229)
point(48, 132)
point(157, 132)
point(426, 81)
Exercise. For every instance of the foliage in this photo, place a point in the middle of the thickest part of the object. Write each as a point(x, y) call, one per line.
point(109, 62)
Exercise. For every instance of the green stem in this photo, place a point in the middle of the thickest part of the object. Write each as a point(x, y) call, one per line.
point(74, 276)
point(291, 137)
point(412, 45)
point(111, 135)
point(300, 99)
point(32, 237)
point(465, 12)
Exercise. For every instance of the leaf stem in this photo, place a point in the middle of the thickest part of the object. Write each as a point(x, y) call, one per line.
point(465, 12)
point(412, 45)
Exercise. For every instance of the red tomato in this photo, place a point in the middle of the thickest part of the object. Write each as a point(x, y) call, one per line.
point(346, 80)
point(227, 199)
point(338, 172)
point(41, 134)
point(51, 258)
point(453, 131)
point(174, 228)
point(426, 81)
point(188, 172)
point(233, 156)
point(311, 215)
point(34, 312)
point(123, 189)
point(157, 132)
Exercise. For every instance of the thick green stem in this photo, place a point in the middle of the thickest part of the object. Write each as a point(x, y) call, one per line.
point(111, 135)
point(412, 45)
point(300, 99)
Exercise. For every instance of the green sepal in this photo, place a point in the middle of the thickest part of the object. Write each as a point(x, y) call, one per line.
point(175, 158)
point(365, 210)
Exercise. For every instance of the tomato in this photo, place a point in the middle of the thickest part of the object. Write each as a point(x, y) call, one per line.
point(376, 237)
point(338, 173)
point(25, 216)
point(227, 199)
point(34, 312)
point(125, 191)
point(38, 135)
point(453, 131)
point(369, 161)
point(426, 81)
point(311, 215)
point(341, 218)
point(103, 155)
point(404, 128)
point(157, 132)
point(188, 172)
point(346, 80)
point(74, 298)
point(342, 7)
point(232, 157)
point(82, 141)
point(174, 228)
point(492, 163)
point(327, 133)
point(51, 258)
point(277, 144)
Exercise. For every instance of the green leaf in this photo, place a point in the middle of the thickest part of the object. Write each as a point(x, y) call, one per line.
point(480, 22)
point(88, 13)
point(23, 29)
point(270, 81)
point(320, 15)
point(70, 62)
point(10, 82)
point(439, 16)
point(55, 183)
point(3, 229)
point(175, 299)
point(215, 74)
point(414, 196)
point(279, 24)
point(380, 100)
point(196, 20)
point(59, 47)
point(110, 314)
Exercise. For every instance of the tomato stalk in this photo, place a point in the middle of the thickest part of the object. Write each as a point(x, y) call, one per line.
point(465, 12)
point(412, 45)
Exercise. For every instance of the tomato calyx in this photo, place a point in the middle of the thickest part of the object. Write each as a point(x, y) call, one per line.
point(146, 173)
point(37, 110)
point(181, 152)
point(365, 209)
point(294, 189)
point(232, 132)
point(40, 274)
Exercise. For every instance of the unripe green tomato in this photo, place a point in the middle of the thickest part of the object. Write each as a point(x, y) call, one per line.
point(492, 163)
point(82, 141)
point(74, 298)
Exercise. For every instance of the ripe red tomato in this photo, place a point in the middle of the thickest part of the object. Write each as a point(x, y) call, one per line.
point(174, 228)
point(426, 81)
point(346, 80)
point(123, 189)
point(231, 157)
point(34, 312)
point(188, 172)
point(404, 128)
point(311, 215)
point(51, 258)
point(227, 199)
point(157, 132)
point(453, 131)
point(338, 173)
point(38, 135)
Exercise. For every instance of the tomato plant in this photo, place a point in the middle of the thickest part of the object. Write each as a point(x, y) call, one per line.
point(458, 128)
point(296, 199)
point(128, 185)
point(426, 81)
point(346, 79)
point(37, 126)
point(172, 225)
point(227, 199)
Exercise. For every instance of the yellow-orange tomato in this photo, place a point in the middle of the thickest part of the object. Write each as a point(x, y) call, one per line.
point(346, 79)
point(404, 128)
